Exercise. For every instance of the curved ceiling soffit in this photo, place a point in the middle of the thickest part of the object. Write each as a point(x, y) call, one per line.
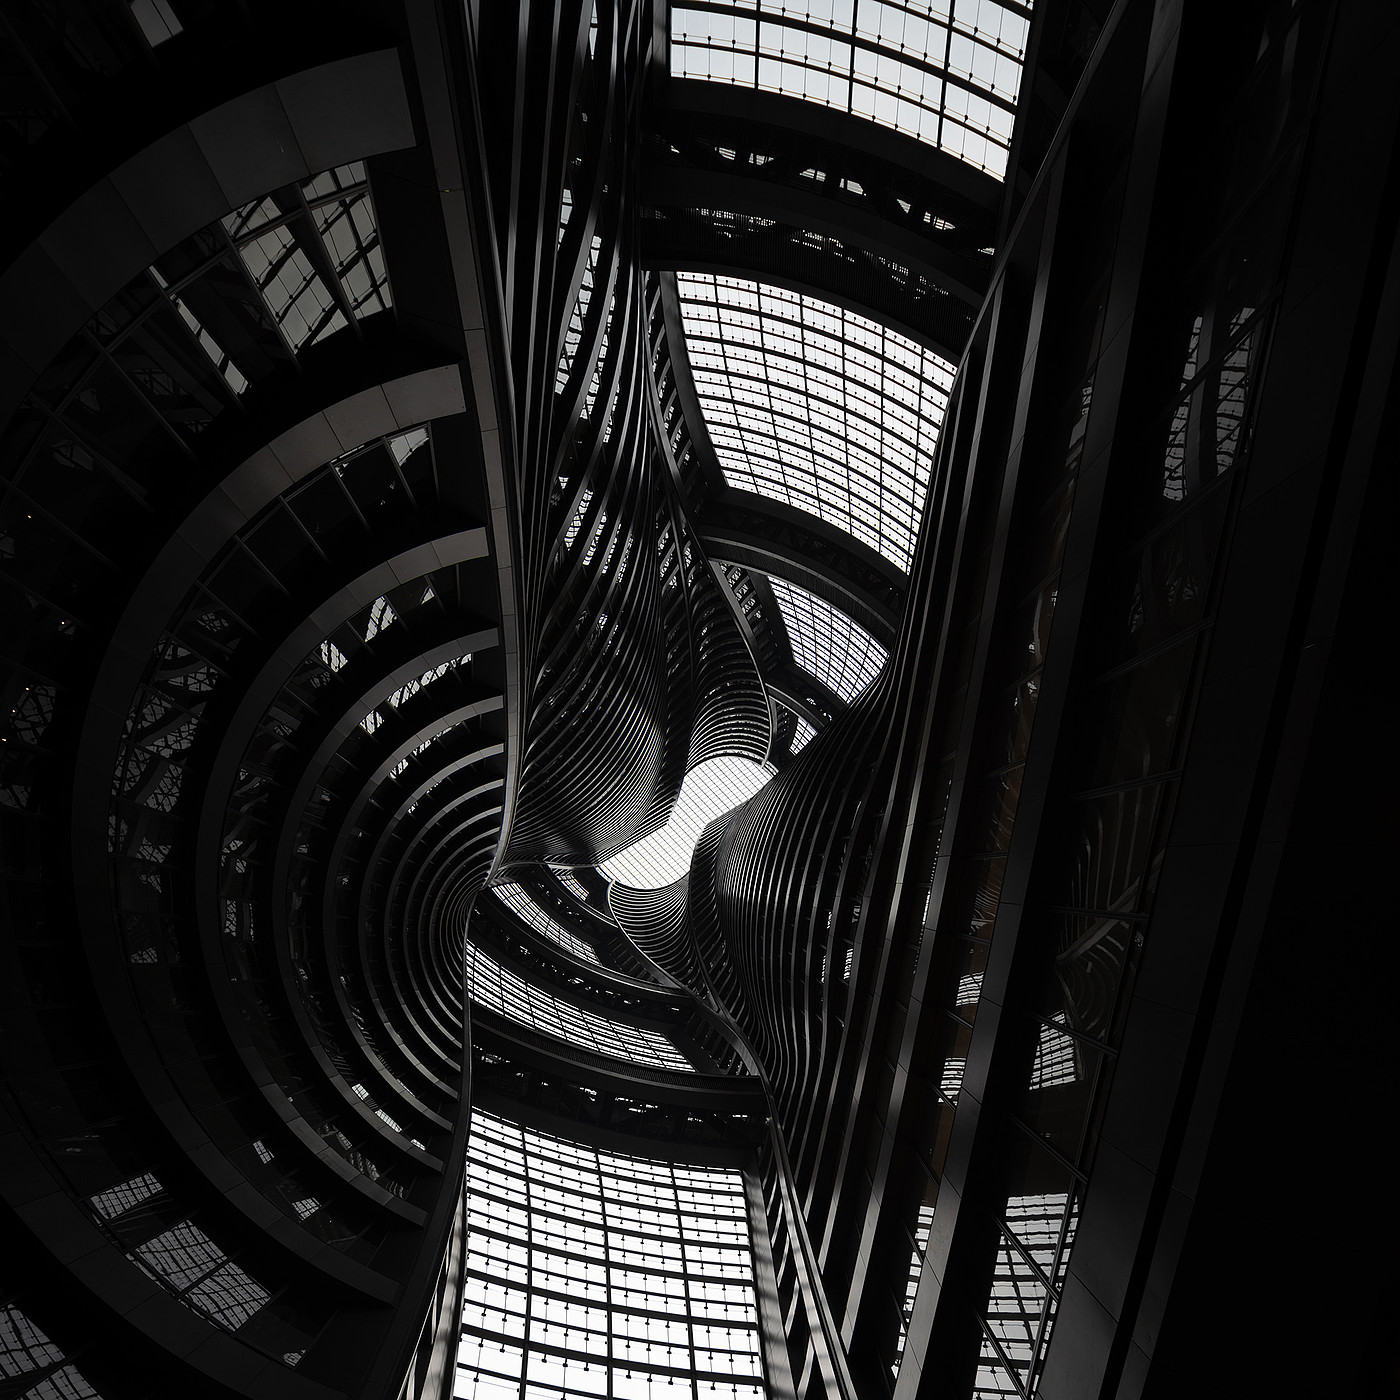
point(282, 133)
point(243, 494)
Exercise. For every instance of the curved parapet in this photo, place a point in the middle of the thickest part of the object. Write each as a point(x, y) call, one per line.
point(249, 591)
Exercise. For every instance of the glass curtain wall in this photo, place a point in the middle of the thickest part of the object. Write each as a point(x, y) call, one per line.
point(600, 1274)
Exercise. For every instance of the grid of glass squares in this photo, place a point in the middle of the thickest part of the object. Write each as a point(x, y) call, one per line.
point(815, 406)
point(598, 1274)
point(493, 985)
point(825, 642)
point(710, 790)
point(571, 882)
point(312, 254)
point(947, 72)
point(523, 907)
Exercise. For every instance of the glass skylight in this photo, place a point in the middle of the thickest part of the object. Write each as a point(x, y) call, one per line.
point(596, 1274)
point(710, 789)
point(497, 988)
point(523, 907)
point(815, 406)
point(947, 72)
point(837, 651)
point(571, 882)
point(801, 736)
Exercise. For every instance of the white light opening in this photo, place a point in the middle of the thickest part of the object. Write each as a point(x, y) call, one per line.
point(710, 789)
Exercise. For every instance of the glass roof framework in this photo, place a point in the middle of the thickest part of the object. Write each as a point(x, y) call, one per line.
point(947, 73)
point(815, 406)
point(710, 789)
point(826, 643)
point(290, 272)
point(523, 907)
point(597, 1274)
point(493, 985)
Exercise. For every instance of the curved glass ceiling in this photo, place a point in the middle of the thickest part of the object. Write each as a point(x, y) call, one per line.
point(836, 650)
point(943, 71)
point(592, 1273)
point(523, 907)
point(710, 789)
point(815, 406)
point(493, 985)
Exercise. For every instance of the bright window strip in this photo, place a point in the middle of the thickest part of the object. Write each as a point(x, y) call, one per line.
point(571, 882)
point(825, 642)
point(816, 407)
point(801, 736)
point(523, 907)
point(923, 1227)
point(574, 333)
point(496, 987)
point(710, 789)
point(597, 1274)
point(947, 73)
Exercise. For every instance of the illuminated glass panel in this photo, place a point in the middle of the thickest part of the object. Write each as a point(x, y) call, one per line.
point(710, 789)
point(523, 907)
point(571, 882)
point(993, 1376)
point(1056, 1060)
point(24, 1348)
point(923, 1227)
point(496, 987)
point(597, 1274)
point(801, 736)
point(947, 72)
point(815, 406)
point(299, 300)
point(311, 252)
point(574, 333)
point(825, 642)
point(344, 217)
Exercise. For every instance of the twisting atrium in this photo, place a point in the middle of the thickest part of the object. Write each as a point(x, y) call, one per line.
point(681, 690)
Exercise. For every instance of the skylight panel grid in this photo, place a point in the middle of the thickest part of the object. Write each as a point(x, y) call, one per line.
point(825, 642)
point(816, 407)
point(496, 987)
point(946, 72)
point(594, 1273)
point(710, 789)
point(523, 907)
point(571, 882)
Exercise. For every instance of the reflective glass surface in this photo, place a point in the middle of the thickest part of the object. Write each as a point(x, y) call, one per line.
point(947, 72)
point(710, 789)
point(499, 989)
point(523, 907)
point(836, 650)
point(815, 406)
point(598, 1274)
